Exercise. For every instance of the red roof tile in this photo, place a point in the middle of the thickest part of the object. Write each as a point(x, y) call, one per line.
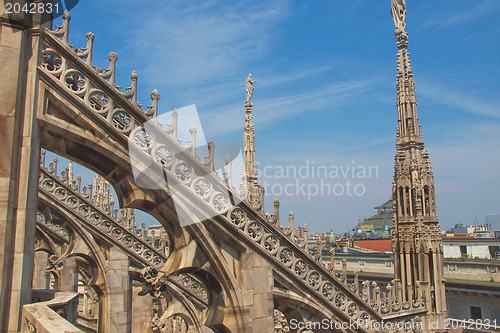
point(380, 245)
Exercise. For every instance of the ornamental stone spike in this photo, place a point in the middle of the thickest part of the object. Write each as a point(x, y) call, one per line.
point(211, 155)
point(64, 30)
point(132, 90)
point(276, 218)
point(42, 158)
point(255, 192)
point(89, 48)
point(71, 175)
point(175, 117)
point(152, 111)
point(291, 225)
point(331, 266)
point(113, 57)
point(191, 144)
point(228, 174)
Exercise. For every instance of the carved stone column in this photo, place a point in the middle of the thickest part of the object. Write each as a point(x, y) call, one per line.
point(258, 288)
point(69, 275)
point(118, 293)
point(19, 151)
point(40, 274)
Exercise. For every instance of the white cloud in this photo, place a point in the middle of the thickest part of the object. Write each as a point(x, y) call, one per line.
point(466, 173)
point(459, 99)
point(228, 118)
point(202, 42)
point(453, 18)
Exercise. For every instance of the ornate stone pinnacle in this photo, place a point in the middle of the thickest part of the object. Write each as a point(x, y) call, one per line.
point(113, 56)
point(155, 95)
point(401, 39)
point(134, 75)
point(66, 15)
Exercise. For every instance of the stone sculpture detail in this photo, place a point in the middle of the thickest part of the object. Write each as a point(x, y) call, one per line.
point(398, 12)
point(249, 87)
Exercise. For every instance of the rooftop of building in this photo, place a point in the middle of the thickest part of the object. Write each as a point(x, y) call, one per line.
point(382, 220)
point(379, 245)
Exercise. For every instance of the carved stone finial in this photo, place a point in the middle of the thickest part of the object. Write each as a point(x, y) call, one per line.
point(134, 75)
point(113, 56)
point(155, 95)
point(66, 15)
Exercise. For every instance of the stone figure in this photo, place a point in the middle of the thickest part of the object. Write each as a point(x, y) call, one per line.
point(398, 12)
point(249, 87)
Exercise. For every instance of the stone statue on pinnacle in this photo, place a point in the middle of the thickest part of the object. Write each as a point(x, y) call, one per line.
point(398, 12)
point(249, 88)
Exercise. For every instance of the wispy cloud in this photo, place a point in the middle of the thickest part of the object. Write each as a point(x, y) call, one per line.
point(194, 43)
point(465, 169)
point(460, 99)
point(362, 146)
point(288, 78)
point(229, 118)
point(454, 17)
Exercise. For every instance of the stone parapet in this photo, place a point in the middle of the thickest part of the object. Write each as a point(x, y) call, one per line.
point(53, 316)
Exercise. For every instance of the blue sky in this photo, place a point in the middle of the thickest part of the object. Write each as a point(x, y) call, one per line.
point(325, 91)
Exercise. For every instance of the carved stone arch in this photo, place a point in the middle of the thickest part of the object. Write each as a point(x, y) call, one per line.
point(219, 328)
point(42, 276)
point(118, 174)
point(74, 228)
point(282, 322)
point(229, 298)
point(69, 131)
point(180, 305)
point(50, 246)
point(56, 278)
point(94, 307)
point(173, 233)
point(197, 290)
point(226, 301)
point(93, 269)
point(297, 307)
point(184, 292)
point(53, 214)
point(290, 313)
point(207, 278)
point(211, 261)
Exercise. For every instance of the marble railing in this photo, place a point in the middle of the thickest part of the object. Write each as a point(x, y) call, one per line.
point(95, 91)
point(53, 316)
